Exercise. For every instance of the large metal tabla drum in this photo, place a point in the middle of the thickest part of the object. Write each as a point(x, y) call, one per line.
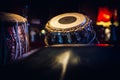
point(13, 37)
point(70, 28)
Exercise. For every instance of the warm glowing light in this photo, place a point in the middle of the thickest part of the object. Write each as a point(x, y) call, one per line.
point(106, 16)
point(43, 31)
point(107, 30)
point(115, 12)
point(107, 33)
point(115, 15)
point(104, 24)
point(63, 60)
point(102, 45)
point(116, 23)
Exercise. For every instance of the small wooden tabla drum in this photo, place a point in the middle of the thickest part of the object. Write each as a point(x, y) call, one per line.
point(14, 41)
point(69, 28)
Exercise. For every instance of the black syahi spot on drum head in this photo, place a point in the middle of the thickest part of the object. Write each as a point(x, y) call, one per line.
point(67, 20)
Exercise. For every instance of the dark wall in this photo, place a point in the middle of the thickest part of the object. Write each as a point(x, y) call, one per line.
point(45, 9)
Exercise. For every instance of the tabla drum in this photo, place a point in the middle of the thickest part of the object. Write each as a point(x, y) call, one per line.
point(69, 28)
point(14, 41)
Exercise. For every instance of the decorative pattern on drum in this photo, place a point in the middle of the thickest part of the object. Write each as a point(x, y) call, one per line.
point(15, 35)
point(69, 28)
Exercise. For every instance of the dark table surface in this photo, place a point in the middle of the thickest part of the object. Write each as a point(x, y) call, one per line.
point(66, 63)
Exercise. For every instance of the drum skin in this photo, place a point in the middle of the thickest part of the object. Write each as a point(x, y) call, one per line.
point(14, 40)
point(69, 28)
point(67, 22)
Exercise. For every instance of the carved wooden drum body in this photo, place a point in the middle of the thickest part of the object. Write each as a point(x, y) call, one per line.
point(14, 41)
point(69, 28)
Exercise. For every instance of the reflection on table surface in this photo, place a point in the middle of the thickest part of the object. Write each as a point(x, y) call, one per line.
point(66, 63)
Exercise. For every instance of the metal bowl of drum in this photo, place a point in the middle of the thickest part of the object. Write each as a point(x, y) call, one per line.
point(69, 28)
point(13, 36)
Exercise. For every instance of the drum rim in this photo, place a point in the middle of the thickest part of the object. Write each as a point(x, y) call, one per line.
point(77, 28)
point(11, 17)
point(79, 19)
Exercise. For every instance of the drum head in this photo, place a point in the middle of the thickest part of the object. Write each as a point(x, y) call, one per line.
point(66, 21)
point(11, 17)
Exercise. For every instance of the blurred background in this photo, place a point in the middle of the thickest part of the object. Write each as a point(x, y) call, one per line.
point(103, 13)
